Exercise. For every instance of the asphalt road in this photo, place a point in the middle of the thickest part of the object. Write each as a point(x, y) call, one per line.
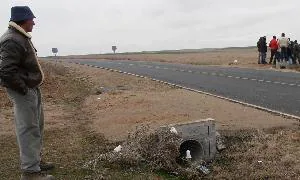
point(275, 90)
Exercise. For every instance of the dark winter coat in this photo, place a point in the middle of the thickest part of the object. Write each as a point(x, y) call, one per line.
point(19, 68)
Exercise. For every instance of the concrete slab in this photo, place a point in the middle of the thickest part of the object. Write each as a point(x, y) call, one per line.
point(199, 137)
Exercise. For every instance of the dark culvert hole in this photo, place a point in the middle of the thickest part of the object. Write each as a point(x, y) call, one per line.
point(195, 148)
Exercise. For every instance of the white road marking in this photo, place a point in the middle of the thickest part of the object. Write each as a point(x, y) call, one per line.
point(292, 84)
point(237, 77)
point(245, 78)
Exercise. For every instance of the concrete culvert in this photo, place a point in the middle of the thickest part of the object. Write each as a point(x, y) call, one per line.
point(199, 137)
point(195, 148)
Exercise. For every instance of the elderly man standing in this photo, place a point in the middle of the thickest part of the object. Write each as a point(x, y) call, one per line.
point(21, 75)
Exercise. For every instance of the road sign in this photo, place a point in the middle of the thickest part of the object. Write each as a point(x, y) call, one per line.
point(114, 48)
point(54, 50)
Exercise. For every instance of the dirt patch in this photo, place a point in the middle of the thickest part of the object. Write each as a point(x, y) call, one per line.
point(138, 101)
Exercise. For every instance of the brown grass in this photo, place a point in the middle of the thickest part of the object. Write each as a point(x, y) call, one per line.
point(260, 154)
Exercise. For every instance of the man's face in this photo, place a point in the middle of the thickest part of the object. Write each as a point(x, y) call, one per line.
point(28, 25)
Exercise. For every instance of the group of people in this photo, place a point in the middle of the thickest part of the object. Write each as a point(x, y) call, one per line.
point(282, 50)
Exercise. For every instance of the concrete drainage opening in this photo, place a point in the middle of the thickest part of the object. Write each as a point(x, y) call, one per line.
point(194, 147)
point(199, 137)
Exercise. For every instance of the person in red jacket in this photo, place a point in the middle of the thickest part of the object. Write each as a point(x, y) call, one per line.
point(274, 47)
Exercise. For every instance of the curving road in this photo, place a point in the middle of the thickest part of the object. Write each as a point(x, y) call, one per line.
point(275, 90)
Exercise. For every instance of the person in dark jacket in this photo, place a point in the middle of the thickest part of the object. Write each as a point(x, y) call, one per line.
point(290, 51)
point(296, 52)
point(259, 49)
point(262, 49)
point(22, 75)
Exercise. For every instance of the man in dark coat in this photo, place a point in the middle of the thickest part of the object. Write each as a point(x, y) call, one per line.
point(262, 49)
point(22, 75)
point(296, 52)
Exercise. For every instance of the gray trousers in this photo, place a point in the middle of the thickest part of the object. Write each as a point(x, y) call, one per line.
point(29, 122)
point(262, 57)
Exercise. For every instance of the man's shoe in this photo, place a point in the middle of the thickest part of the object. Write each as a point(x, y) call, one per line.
point(36, 176)
point(46, 166)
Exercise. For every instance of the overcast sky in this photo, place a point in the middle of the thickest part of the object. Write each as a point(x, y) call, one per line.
point(93, 26)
